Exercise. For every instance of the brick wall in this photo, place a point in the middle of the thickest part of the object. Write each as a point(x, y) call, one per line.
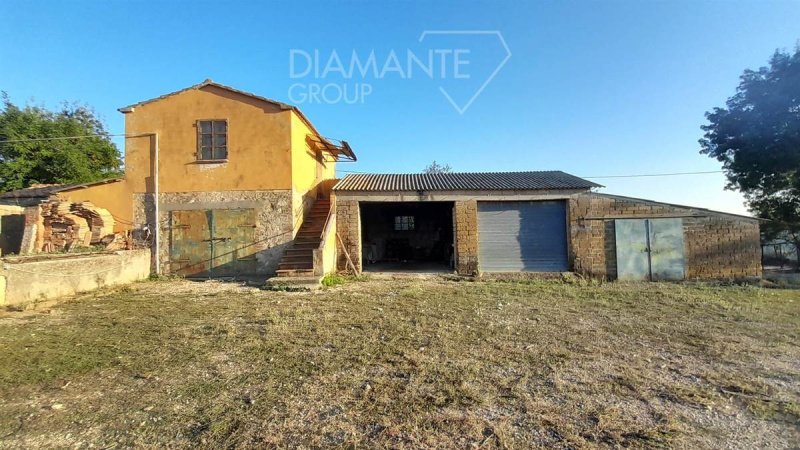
point(348, 225)
point(715, 245)
point(466, 226)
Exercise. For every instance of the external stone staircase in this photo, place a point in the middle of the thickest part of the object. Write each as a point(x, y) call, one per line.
point(298, 261)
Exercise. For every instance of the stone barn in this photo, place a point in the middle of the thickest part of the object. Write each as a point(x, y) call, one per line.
point(538, 222)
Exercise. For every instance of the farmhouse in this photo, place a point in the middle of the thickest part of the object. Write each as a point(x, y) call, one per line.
point(246, 187)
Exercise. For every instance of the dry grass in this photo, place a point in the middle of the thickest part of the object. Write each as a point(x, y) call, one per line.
point(406, 364)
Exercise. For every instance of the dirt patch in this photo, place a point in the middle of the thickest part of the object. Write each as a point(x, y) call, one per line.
point(406, 364)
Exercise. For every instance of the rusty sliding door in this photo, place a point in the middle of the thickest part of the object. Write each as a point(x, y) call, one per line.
point(213, 243)
point(233, 232)
point(190, 248)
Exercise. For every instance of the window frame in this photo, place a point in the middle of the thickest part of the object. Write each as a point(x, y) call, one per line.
point(405, 225)
point(199, 152)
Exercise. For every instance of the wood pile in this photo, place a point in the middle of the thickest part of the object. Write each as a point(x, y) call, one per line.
point(100, 220)
point(62, 229)
point(67, 225)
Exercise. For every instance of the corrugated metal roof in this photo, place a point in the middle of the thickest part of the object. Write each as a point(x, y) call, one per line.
point(694, 208)
point(483, 181)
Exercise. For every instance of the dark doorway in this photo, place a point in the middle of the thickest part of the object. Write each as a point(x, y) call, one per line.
point(407, 236)
point(12, 228)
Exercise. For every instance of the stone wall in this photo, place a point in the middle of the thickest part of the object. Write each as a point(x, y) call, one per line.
point(348, 225)
point(24, 281)
point(716, 245)
point(273, 232)
point(466, 227)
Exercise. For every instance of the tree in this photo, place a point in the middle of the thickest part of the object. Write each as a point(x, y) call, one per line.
point(757, 139)
point(24, 161)
point(435, 167)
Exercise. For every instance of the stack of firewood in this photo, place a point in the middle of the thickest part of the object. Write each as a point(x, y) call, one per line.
point(66, 225)
point(62, 229)
point(100, 220)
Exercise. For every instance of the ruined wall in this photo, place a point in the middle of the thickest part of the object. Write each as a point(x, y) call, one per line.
point(466, 228)
point(348, 225)
point(273, 232)
point(716, 246)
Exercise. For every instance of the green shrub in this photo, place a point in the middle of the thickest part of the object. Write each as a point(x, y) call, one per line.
point(333, 279)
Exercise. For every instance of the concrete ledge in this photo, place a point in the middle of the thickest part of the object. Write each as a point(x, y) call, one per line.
point(26, 281)
point(309, 283)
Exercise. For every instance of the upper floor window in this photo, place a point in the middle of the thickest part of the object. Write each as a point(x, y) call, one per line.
point(212, 140)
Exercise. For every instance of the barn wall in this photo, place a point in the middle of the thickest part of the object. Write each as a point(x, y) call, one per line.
point(466, 227)
point(348, 225)
point(716, 245)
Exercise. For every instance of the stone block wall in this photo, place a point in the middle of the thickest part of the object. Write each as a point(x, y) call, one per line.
point(273, 232)
point(716, 246)
point(466, 227)
point(348, 225)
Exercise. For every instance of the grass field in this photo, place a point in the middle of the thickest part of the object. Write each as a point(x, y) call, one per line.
point(406, 364)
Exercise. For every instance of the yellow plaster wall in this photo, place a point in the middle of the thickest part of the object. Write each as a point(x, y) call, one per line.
point(268, 149)
point(259, 143)
point(116, 197)
point(308, 170)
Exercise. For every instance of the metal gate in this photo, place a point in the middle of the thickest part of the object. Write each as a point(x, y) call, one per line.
point(212, 243)
point(522, 236)
point(649, 249)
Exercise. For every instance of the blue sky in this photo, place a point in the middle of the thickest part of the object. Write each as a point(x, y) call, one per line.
point(592, 88)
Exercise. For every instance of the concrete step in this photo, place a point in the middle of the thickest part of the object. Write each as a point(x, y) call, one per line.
point(306, 244)
point(300, 281)
point(297, 259)
point(295, 266)
point(299, 252)
point(293, 273)
point(309, 232)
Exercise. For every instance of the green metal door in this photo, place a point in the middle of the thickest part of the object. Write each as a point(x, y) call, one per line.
point(190, 248)
point(213, 243)
point(649, 249)
point(666, 249)
point(233, 233)
point(632, 251)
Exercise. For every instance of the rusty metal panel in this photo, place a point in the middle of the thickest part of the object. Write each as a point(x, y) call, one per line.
point(632, 249)
point(666, 249)
point(233, 236)
point(190, 248)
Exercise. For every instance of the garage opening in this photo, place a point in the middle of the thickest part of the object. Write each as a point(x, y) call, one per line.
point(407, 236)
